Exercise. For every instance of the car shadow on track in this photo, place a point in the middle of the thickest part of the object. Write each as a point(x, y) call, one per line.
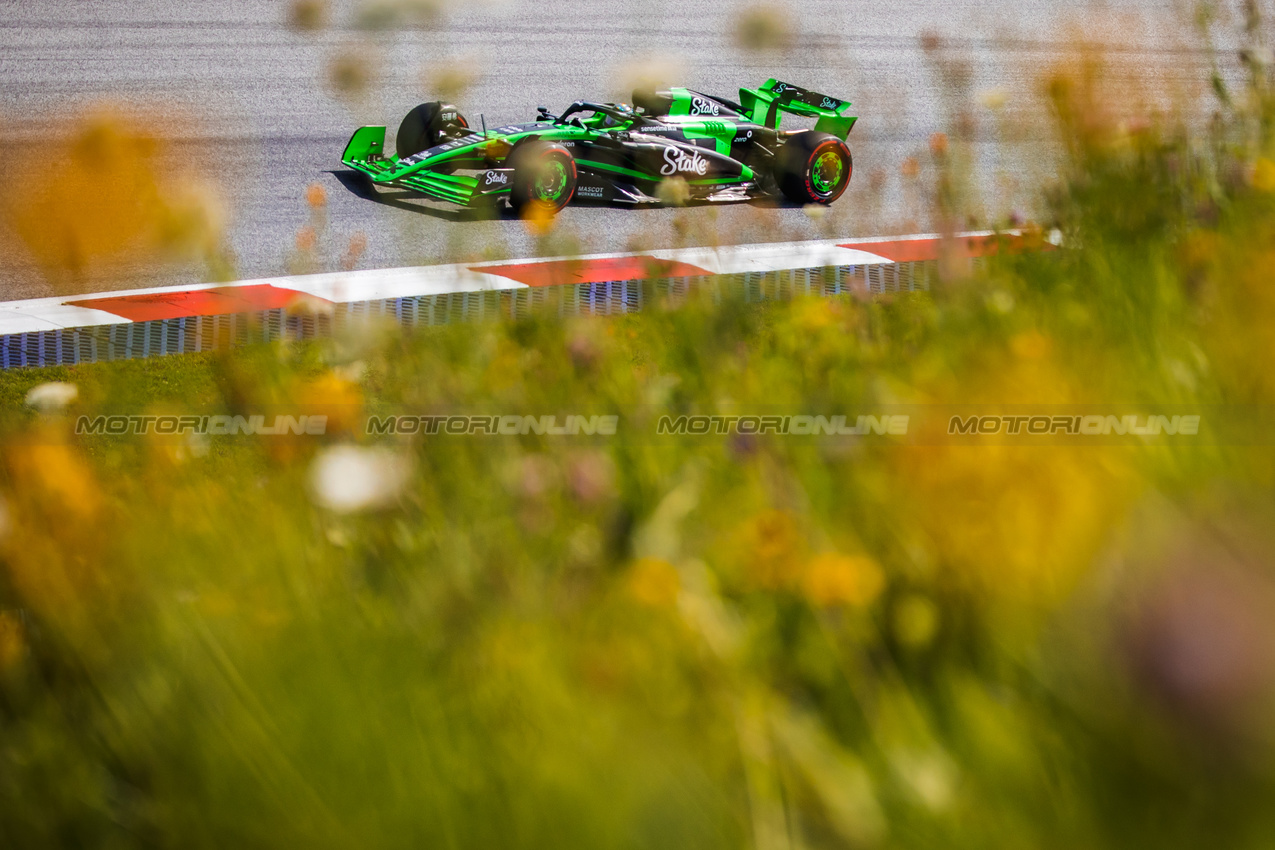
point(359, 185)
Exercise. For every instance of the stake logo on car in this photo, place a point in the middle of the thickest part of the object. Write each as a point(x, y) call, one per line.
point(678, 160)
point(704, 106)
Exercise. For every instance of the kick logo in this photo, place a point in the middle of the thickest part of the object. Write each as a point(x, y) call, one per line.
point(677, 161)
point(703, 106)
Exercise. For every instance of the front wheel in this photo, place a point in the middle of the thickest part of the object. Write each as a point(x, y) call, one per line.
point(814, 168)
point(545, 175)
point(426, 126)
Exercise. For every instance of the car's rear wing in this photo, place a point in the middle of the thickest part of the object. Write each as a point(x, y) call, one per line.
point(764, 104)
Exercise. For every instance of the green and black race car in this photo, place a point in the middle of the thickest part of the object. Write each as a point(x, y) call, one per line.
point(718, 149)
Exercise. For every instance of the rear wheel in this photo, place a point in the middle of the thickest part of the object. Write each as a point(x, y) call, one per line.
point(544, 174)
point(814, 168)
point(426, 126)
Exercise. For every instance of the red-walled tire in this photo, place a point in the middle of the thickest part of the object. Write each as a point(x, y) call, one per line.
point(814, 168)
point(544, 173)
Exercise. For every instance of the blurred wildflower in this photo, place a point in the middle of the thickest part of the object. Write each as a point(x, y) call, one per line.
point(655, 582)
point(388, 14)
point(1000, 301)
point(316, 196)
point(532, 477)
point(591, 477)
point(354, 251)
point(52, 397)
point(993, 98)
point(1264, 175)
point(12, 641)
point(307, 305)
point(114, 195)
point(1203, 641)
point(1030, 345)
point(334, 395)
point(814, 212)
point(914, 620)
point(6, 520)
point(307, 239)
point(362, 338)
point(931, 776)
point(539, 218)
point(585, 545)
point(763, 28)
point(58, 477)
point(773, 548)
point(351, 479)
point(812, 315)
point(451, 80)
point(673, 191)
point(833, 579)
point(350, 73)
point(196, 220)
point(938, 145)
point(911, 168)
point(308, 15)
point(585, 344)
point(649, 74)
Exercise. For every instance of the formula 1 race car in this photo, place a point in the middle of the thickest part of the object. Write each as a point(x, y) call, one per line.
point(718, 149)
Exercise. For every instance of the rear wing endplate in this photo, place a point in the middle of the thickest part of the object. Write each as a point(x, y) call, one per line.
point(764, 105)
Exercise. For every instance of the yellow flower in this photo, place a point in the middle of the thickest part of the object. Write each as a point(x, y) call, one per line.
point(58, 475)
point(12, 644)
point(774, 544)
point(814, 314)
point(538, 216)
point(1030, 345)
point(835, 579)
point(1264, 175)
point(335, 396)
point(655, 582)
point(915, 620)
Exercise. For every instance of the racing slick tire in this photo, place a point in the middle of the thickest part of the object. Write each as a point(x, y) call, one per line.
point(544, 173)
point(813, 168)
point(425, 126)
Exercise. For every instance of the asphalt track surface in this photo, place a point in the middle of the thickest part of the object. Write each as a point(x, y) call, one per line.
point(249, 105)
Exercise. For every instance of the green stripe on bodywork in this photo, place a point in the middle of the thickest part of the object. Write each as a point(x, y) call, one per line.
point(460, 179)
point(719, 181)
point(617, 169)
point(429, 183)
